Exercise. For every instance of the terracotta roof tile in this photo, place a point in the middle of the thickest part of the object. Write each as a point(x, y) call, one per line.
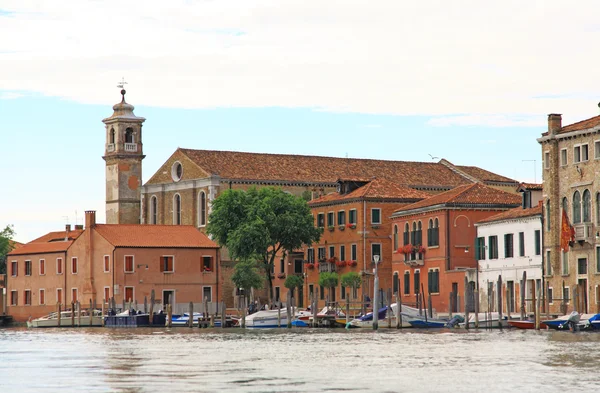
point(376, 189)
point(317, 169)
point(176, 236)
point(484, 175)
point(517, 212)
point(41, 248)
point(476, 193)
point(530, 186)
point(580, 125)
point(58, 236)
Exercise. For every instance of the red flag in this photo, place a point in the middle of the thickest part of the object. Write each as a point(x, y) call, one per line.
point(567, 232)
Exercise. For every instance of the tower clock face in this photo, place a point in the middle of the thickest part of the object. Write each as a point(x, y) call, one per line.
point(176, 171)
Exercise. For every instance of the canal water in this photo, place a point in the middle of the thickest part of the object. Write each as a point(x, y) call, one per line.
point(233, 360)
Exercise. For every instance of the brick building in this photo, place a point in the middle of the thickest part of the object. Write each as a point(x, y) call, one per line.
point(436, 241)
point(124, 261)
point(571, 161)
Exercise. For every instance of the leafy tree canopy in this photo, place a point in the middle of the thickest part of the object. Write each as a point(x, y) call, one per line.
point(293, 282)
point(351, 280)
point(328, 279)
point(246, 275)
point(6, 245)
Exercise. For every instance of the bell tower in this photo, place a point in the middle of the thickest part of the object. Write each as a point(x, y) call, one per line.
point(123, 155)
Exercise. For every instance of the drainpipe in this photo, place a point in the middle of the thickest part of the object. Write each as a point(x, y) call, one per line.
point(447, 239)
point(365, 236)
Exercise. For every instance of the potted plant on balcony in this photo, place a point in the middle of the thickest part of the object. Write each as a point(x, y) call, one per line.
point(206, 269)
point(310, 265)
point(351, 263)
point(341, 227)
point(351, 225)
point(331, 228)
point(421, 249)
point(407, 249)
point(340, 263)
point(332, 260)
point(281, 275)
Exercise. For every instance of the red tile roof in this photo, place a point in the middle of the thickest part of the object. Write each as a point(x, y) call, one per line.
point(471, 194)
point(484, 175)
point(15, 244)
point(375, 189)
point(42, 248)
point(580, 125)
point(530, 186)
point(517, 212)
point(168, 236)
point(316, 169)
point(58, 236)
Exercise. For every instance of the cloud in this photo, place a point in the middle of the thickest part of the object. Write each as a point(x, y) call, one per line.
point(10, 95)
point(385, 57)
point(488, 121)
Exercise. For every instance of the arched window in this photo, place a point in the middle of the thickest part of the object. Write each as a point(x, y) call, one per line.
point(565, 204)
point(396, 284)
point(406, 234)
point(433, 234)
point(576, 207)
point(598, 208)
point(413, 234)
point(112, 136)
point(395, 237)
point(587, 208)
point(129, 135)
point(419, 233)
point(436, 223)
point(177, 210)
point(548, 215)
point(202, 209)
point(153, 210)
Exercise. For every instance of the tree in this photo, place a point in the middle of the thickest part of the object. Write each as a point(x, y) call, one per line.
point(328, 280)
point(6, 245)
point(351, 280)
point(293, 282)
point(261, 224)
point(246, 276)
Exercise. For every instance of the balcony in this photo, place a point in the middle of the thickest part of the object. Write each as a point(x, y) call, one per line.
point(584, 232)
point(414, 261)
point(131, 147)
point(110, 147)
point(327, 267)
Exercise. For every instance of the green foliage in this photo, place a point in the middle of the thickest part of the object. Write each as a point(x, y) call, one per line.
point(293, 282)
point(351, 280)
point(328, 279)
point(307, 195)
point(261, 223)
point(6, 245)
point(246, 275)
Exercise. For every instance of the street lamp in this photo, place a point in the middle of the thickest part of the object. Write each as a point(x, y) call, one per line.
point(376, 290)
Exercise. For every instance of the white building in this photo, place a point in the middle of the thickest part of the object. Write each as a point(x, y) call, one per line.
point(508, 244)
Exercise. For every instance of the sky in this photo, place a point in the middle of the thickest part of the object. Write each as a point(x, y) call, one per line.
point(400, 80)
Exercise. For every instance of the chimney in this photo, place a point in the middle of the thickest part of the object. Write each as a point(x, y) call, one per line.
point(67, 230)
point(78, 227)
point(554, 123)
point(90, 218)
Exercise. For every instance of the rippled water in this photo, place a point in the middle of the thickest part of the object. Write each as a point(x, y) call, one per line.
point(206, 360)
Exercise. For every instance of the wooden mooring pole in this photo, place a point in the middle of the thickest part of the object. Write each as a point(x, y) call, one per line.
point(72, 314)
point(58, 316)
point(150, 313)
point(523, 292)
point(466, 303)
point(389, 310)
point(288, 309)
point(499, 290)
point(191, 314)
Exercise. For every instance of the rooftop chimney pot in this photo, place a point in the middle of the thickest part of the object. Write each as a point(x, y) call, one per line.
point(90, 218)
point(554, 123)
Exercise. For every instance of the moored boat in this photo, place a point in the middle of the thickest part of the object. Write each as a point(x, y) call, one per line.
point(526, 324)
point(429, 323)
point(267, 319)
point(67, 319)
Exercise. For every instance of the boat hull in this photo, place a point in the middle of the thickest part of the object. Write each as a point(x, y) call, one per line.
point(65, 322)
point(429, 324)
point(525, 324)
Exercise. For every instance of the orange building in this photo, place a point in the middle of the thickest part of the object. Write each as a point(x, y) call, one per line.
point(103, 261)
point(356, 226)
point(435, 242)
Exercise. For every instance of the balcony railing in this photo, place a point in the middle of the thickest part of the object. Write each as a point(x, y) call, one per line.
point(327, 267)
point(132, 147)
point(110, 147)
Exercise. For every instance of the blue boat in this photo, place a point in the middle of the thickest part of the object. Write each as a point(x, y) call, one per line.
point(563, 322)
point(429, 323)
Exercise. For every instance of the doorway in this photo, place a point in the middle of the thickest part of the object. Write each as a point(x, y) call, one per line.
point(455, 297)
point(582, 302)
point(168, 298)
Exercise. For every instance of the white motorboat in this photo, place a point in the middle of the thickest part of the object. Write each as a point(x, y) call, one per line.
point(486, 320)
point(268, 319)
point(67, 319)
point(408, 314)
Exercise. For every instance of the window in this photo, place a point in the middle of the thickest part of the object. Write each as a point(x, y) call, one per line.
point(395, 283)
point(576, 208)
point(129, 296)
point(106, 264)
point(433, 233)
point(311, 291)
point(310, 255)
point(166, 264)
point(564, 263)
point(298, 266)
point(14, 295)
point(27, 297)
point(282, 265)
point(343, 292)
point(577, 154)
point(433, 280)
point(129, 135)
point(207, 264)
point(563, 157)
point(353, 252)
point(508, 245)
point(587, 209)
point(547, 159)
point(521, 244)
point(320, 220)
point(597, 260)
point(352, 216)
point(42, 297)
point(407, 282)
point(59, 297)
point(418, 236)
point(548, 215)
point(207, 293)
point(153, 210)
point(74, 295)
point(74, 265)
point(331, 251)
point(596, 149)
point(177, 209)
point(538, 242)
point(550, 295)
point(376, 250)
point(493, 247)
point(112, 136)
point(277, 294)
point(202, 209)
point(106, 294)
point(597, 208)
point(330, 220)
point(342, 253)
point(417, 279)
point(28, 268)
point(375, 216)
point(581, 265)
point(584, 152)
point(341, 218)
point(548, 263)
point(321, 254)
point(59, 265)
point(395, 237)
point(128, 267)
point(480, 248)
point(321, 292)
point(566, 297)
point(526, 199)
point(42, 267)
point(14, 268)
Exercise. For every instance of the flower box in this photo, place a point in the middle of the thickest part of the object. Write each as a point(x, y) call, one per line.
point(341, 227)
point(281, 275)
point(340, 263)
point(332, 260)
point(331, 228)
point(351, 225)
point(310, 266)
point(351, 263)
